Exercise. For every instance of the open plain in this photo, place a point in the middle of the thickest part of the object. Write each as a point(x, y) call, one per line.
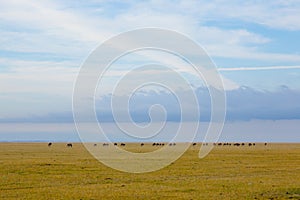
point(36, 171)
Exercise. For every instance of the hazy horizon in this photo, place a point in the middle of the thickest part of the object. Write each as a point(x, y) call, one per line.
point(282, 131)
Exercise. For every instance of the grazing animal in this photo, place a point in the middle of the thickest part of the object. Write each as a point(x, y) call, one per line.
point(116, 144)
point(253, 144)
point(265, 144)
point(250, 144)
point(105, 144)
point(194, 144)
point(142, 144)
point(153, 144)
point(243, 144)
point(49, 144)
point(237, 144)
point(69, 145)
point(122, 144)
point(95, 145)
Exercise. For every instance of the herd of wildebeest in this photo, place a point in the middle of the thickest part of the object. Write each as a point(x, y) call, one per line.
point(171, 144)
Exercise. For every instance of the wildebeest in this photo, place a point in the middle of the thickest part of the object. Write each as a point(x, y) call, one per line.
point(49, 144)
point(122, 144)
point(142, 144)
point(250, 144)
point(95, 145)
point(69, 145)
point(265, 144)
point(116, 144)
point(105, 144)
point(194, 144)
point(243, 144)
point(237, 144)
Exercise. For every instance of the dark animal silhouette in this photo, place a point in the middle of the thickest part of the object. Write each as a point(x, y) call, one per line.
point(105, 144)
point(116, 144)
point(122, 144)
point(69, 145)
point(49, 144)
point(194, 144)
point(142, 144)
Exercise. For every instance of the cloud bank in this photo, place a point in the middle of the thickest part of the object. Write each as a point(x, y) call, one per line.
point(243, 104)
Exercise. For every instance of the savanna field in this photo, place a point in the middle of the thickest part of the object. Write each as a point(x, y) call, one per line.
point(36, 171)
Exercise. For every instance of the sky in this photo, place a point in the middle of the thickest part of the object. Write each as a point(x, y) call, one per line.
point(254, 44)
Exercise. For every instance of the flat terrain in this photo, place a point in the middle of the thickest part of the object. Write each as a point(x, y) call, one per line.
point(36, 171)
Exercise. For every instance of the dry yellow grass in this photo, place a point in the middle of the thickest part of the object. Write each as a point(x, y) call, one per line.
point(34, 171)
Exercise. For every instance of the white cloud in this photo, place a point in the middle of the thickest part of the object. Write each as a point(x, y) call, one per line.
point(50, 19)
point(258, 68)
point(54, 28)
point(37, 77)
point(275, 14)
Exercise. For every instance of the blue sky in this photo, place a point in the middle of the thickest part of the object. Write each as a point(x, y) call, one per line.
point(255, 46)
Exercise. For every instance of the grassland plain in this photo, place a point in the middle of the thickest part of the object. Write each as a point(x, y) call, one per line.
point(36, 171)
